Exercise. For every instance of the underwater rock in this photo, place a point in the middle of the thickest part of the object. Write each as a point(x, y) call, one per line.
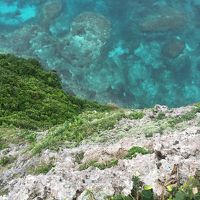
point(173, 48)
point(164, 20)
point(50, 11)
point(88, 34)
point(180, 68)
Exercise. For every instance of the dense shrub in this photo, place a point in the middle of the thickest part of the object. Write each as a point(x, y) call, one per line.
point(33, 98)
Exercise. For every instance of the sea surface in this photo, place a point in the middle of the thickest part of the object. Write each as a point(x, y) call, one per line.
point(133, 53)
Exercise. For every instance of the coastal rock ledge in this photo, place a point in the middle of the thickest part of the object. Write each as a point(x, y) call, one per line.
point(98, 151)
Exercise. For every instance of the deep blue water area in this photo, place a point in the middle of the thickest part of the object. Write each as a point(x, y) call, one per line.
point(134, 53)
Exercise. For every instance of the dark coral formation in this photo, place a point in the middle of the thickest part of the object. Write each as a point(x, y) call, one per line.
point(166, 19)
point(88, 34)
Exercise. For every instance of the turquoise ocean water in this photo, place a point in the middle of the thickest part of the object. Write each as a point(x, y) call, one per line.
point(134, 53)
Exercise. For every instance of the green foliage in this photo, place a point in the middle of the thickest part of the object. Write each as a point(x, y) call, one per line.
point(190, 190)
point(138, 192)
point(185, 117)
point(2, 143)
point(4, 191)
point(83, 126)
point(89, 195)
point(197, 106)
point(5, 160)
point(136, 115)
point(43, 168)
point(28, 135)
point(121, 197)
point(107, 164)
point(131, 153)
point(87, 164)
point(134, 151)
point(32, 98)
point(8, 135)
point(79, 157)
point(96, 164)
point(161, 115)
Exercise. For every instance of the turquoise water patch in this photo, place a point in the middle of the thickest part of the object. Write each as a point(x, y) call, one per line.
point(131, 53)
point(12, 14)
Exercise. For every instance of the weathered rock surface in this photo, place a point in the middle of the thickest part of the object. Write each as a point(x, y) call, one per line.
point(174, 155)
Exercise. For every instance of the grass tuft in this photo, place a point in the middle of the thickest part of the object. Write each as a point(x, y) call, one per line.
point(6, 160)
point(101, 166)
point(135, 150)
point(43, 168)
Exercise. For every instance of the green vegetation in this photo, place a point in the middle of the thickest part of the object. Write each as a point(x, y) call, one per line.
point(138, 192)
point(8, 135)
point(173, 121)
point(132, 152)
point(161, 115)
point(162, 122)
point(27, 135)
point(5, 160)
point(32, 98)
point(3, 191)
point(79, 157)
point(136, 115)
point(43, 168)
point(101, 166)
point(185, 117)
point(135, 150)
point(12, 135)
point(2, 143)
point(190, 190)
point(84, 125)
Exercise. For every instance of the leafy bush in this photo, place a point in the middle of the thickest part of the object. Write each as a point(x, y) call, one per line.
point(132, 152)
point(190, 190)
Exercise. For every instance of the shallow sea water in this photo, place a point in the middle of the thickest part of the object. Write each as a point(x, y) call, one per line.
point(134, 53)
